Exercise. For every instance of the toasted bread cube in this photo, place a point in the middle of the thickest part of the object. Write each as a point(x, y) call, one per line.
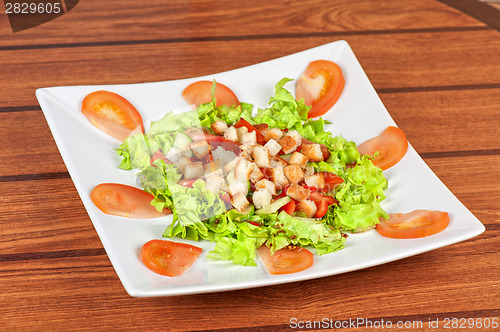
point(219, 127)
point(297, 192)
point(231, 165)
point(261, 156)
point(312, 152)
point(236, 187)
point(273, 147)
point(308, 170)
point(213, 167)
point(200, 149)
point(182, 162)
point(193, 170)
point(296, 137)
point(287, 144)
point(275, 161)
point(245, 155)
point(173, 154)
point(261, 198)
point(243, 170)
point(317, 180)
point(239, 201)
point(241, 131)
point(294, 173)
point(273, 133)
point(249, 138)
point(308, 207)
point(256, 175)
point(278, 177)
point(298, 159)
point(214, 183)
point(266, 184)
point(262, 128)
point(231, 135)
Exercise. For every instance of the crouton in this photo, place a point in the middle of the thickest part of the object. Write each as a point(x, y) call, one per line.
point(236, 187)
point(261, 156)
point(262, 127)
point(273, 133)
point(219, 127)
point(298, 159)
point(231, 135)
point(273, 147)
point(200, 149)
point(193, 170)
point(239, 201)
point(287, 144)
point(213, 167)
point(297, 192)
point(243, 170)
point(316, 180)
point(308, 207)
point(296, 137)
point(261, 198)
point(275, 161)
point(248, 147)
point(231, 165)
point(266, 184)
point(256, 175)
point(293, 173)
point(245, 155)
point(182, 162)
point(173, 154)
point(241, 131)
point(214, 183)
point(278, 177)
point(312, 152)
point(249, 138)
point(308, 170)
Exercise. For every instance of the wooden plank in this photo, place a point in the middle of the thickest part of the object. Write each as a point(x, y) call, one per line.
point(390, 61)
point(60, 302)
point(110, 21)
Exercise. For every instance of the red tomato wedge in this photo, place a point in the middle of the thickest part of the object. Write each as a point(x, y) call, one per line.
point(391, 145)
point(200, 93)
point(112, 114)
point(286, 260)
point(125, 201)
point(169, 258)
point(244, 123)
point(320, 85)
point(317, 198)
point(321, 209)
point(289, 207)
point(331, 181)
point(415, 224)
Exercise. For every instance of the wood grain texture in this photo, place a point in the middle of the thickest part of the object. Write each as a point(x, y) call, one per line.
point(117, 20)
point(390, 61)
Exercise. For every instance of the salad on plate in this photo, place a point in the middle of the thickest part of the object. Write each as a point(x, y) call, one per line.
point(270, 182)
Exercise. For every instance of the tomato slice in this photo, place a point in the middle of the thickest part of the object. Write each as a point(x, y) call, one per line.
point(169, 258)
point(244, 123)
point(391, 145)
point(159, 155)
point(112, 114)
point(187, 183)
point(317, 198)
point(320, 85)
point(286, 260)
point(125, 201)
point(289, 207)
point(200, 93)
point(321, 209)
point(415, 224)
point(331, 181)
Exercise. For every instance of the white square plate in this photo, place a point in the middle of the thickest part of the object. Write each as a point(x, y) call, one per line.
point(358, 115)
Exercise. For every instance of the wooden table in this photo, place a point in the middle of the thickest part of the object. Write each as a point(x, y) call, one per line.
point(435, 65)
